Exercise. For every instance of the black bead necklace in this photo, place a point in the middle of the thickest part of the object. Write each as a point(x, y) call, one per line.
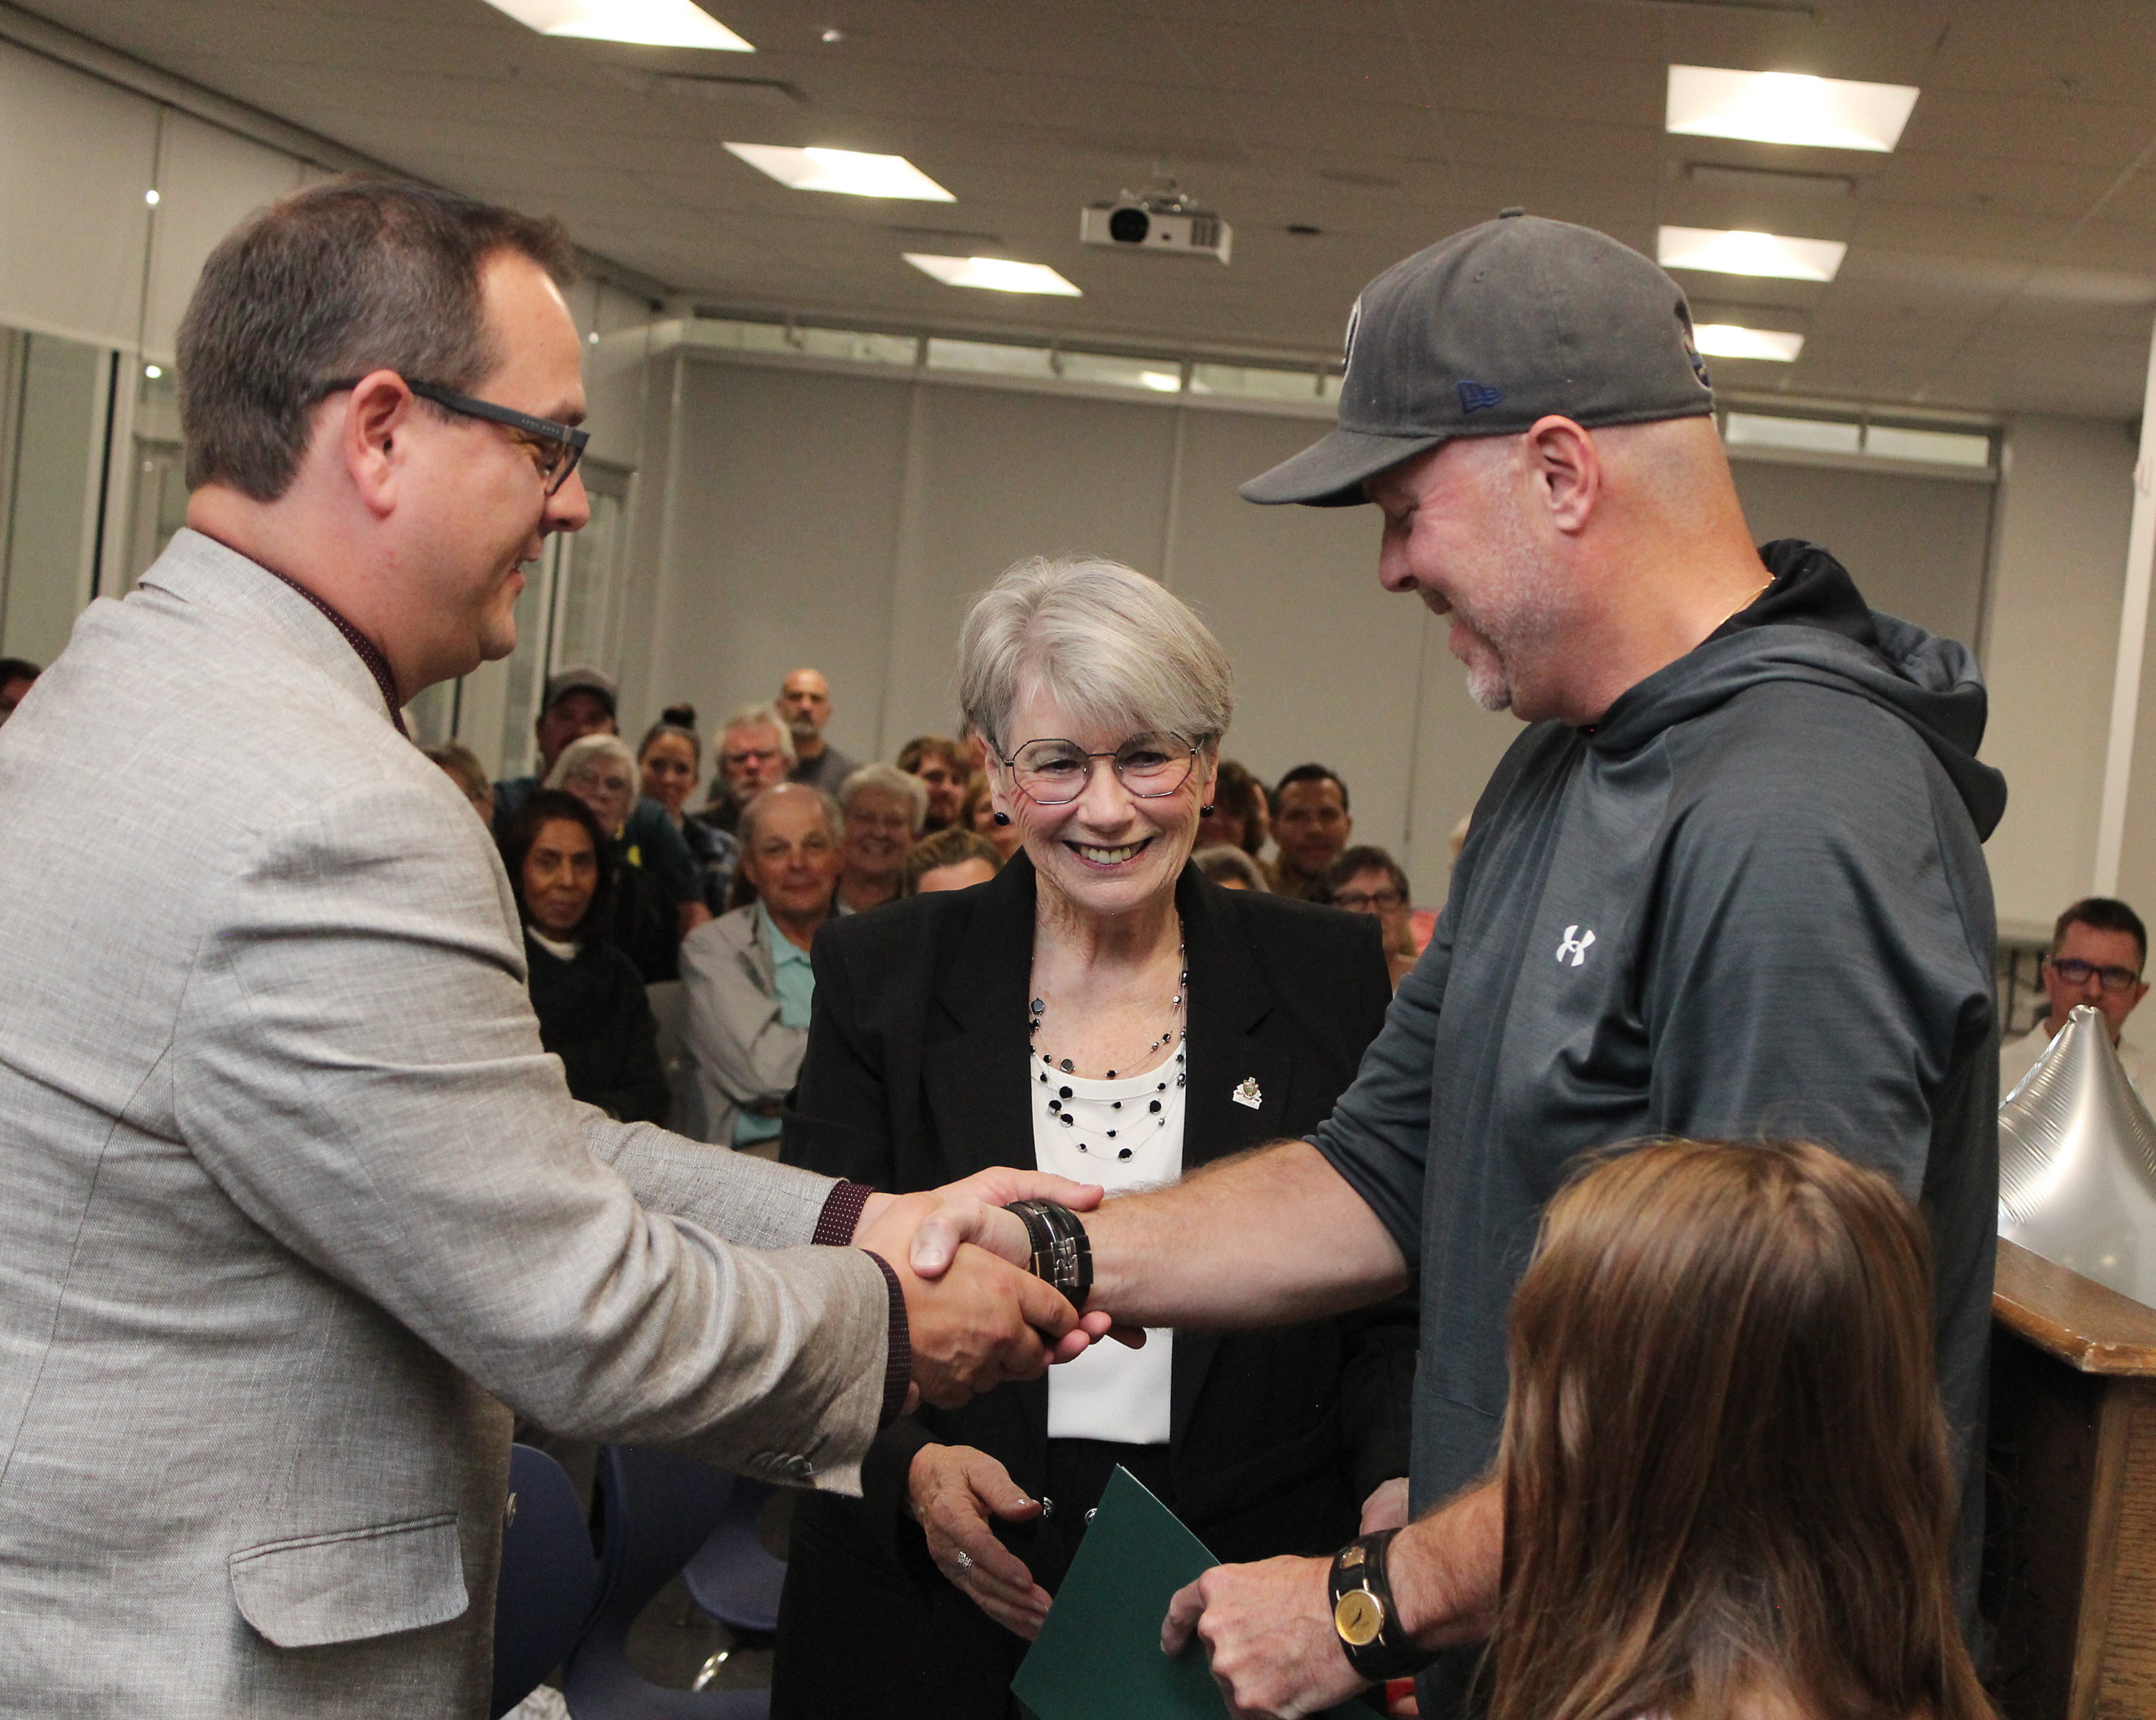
point(1179, 1030)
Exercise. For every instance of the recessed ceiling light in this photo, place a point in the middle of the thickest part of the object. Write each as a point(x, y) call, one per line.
point(653, 23)
point(1729, 340)
point(1788, 107)
point(842, 170)
point(1742, 253)
point(998, 275)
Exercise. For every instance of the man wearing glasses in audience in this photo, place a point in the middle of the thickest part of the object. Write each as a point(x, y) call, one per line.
point(2098, 949)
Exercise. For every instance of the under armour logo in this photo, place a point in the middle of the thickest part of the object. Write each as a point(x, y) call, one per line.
point(1574, 945)
point(1475, 396)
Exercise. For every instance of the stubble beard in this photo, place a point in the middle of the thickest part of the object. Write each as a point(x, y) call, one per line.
point(1521, 613)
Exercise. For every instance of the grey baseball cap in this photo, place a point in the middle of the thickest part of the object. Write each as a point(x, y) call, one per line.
point(1486, 332)
point(579, 679)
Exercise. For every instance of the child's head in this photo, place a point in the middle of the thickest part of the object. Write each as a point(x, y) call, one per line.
point(1725, 1468)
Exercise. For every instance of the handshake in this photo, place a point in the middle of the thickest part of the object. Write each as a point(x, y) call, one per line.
point(976, 1315)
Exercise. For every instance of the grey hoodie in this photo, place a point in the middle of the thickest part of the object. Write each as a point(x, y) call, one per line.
point(1752, 900)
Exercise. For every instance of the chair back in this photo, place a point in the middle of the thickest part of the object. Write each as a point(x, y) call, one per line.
point(549, 1577)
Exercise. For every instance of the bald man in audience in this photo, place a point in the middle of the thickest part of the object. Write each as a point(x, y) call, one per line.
point(804, 700)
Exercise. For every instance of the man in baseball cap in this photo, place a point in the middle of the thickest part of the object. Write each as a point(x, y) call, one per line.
point(1727, 883)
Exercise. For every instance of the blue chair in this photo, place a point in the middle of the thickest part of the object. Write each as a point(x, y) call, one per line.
point(549, 1578)
point(656, 1509)
point(733, 1577)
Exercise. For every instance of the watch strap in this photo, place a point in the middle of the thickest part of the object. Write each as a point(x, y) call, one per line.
point(1364, 1617)
point(1062, 1252)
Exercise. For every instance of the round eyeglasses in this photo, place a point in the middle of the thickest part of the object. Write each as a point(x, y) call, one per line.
point(1055, 773)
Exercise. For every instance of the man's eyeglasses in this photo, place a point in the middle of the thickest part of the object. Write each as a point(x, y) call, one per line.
point(1055, 773)
point(555, 448)
point(2076, 971)
point(1359, 901)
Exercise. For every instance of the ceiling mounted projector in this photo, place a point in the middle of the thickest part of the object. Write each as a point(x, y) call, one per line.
point(1162, 221)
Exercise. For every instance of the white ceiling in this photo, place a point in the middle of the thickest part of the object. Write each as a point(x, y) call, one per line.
point(2003, 258)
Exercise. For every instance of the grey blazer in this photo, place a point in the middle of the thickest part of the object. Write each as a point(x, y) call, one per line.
point(742, 1052)
point(296, 1210)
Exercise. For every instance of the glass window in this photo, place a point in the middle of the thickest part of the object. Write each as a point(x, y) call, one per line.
point(986, 356)
point(53, 395)
point(1257, 383)
point(1815, 435)
point(1946, 448)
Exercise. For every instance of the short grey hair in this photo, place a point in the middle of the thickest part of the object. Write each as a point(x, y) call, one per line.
point(752, 815)
point(582, 753)
point(1115, 649)
point(1221, 862)
point(757, 717)
point(886, 779)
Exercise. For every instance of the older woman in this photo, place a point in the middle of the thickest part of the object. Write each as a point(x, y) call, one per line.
point(881, 810)
point(670, 759)
point(1102, 1009)
point(601, 771)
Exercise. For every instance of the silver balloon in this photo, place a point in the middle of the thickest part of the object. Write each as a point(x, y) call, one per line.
point(2077, 1163)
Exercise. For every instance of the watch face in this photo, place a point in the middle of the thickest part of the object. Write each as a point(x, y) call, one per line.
point(1358, 1618)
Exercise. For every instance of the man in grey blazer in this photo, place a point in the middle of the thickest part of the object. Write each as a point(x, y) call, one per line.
point(296, 1209)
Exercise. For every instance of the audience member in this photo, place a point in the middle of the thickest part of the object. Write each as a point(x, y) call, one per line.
point(944, 769)
point(1237, 818)
point(1728, 1484)
point(462, 766)
point(804, 700)
point(1369, 880)
point(601, 771)
point(588, 995)
point(881, 811)
point(580, 701)
point(17, 676)
point(978, 815)
point(1230, 867)
point(950, 859)
point(746, 976)
point(670, 760)
point(1310, 824)
point(2098, 949)
point(756, 751)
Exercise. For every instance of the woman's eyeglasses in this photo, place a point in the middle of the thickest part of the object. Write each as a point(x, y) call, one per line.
point(1055, 773)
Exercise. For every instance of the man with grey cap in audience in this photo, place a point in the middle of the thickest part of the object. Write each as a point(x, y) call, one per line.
point(1728, 882)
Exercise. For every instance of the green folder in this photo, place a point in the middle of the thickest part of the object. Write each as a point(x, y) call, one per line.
point(1098, 1657)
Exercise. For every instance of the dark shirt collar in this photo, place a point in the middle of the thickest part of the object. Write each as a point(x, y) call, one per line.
point(370, 653)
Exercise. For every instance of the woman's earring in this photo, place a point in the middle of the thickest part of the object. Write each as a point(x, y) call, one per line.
point(1205, 812)
point(1003, 817)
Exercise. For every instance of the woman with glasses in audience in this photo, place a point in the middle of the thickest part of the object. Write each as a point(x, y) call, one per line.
point(1102, 1009)
point(601, 771)
point(1727, 1491)
point(1369, 880)
point(669, 760)
point(589, 999)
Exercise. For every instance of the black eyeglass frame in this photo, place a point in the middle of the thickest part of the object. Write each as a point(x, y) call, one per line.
point(1190, 764)
point(2103, 976)
point(567, 437)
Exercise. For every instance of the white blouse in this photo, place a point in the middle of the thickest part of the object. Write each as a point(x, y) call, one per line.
point(1123, 1134)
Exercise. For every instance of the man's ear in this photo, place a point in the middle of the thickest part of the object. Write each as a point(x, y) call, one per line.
point(1566, 471)
point(378, 413)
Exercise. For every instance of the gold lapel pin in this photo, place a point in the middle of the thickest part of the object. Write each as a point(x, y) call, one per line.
point(1248, 1093)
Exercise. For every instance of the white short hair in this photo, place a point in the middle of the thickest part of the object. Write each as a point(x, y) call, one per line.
point(760, 802)
point(582, 753)
point(886, 779)
point(757, 717)
point(1114, 650)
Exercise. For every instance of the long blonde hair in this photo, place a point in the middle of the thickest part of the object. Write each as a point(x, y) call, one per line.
point(1724, 1464)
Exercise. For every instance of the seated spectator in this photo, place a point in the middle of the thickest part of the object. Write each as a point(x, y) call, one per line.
point(17, 676)
point(1369, 880)
point(592, 1012)
point(1310, 824)
point(881, 811)
point(949, 859)
point(944, 769)
point(978, 815)
point(461, 765)
point(2098, 949)
point(670, 760)
point(746, 976)
point(755, 752)
point(1238, 817)
point(1230, 867)
point(1727, 1479)
point(600, 771)
point(804, 700)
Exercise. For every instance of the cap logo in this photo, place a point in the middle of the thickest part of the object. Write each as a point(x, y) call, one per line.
point(1347, 342)
point(1475, 396)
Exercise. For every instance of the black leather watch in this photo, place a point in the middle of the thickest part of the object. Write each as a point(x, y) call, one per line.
point(1062, 1254)
point(1364, 1616)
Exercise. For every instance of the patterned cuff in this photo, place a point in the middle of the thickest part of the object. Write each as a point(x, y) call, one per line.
point(898, 1358)
point(841, 1216)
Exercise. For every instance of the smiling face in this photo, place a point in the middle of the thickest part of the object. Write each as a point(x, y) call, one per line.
point(878, 831)
point(793, 858)
point(561, 876)
point(669, 771)
point(604, 785)
point(1109, 851)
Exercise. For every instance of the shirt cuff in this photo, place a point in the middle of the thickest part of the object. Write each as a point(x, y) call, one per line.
point(898, 1357)
point(842, 1215)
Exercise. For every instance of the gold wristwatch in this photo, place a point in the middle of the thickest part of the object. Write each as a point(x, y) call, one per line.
point(1364, 1616)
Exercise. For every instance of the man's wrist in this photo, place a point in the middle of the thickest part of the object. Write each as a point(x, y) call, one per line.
point(1366, 1618)
point(846, 1212)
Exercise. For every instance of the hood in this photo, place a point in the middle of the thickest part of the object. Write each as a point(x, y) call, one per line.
point(1811, 625)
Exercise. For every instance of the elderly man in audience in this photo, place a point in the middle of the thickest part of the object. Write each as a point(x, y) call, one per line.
point(463, 768)
point(1369, 880)
point(804, 700)
point(1310, 824)
point(755, 752)
point(944, 768)
point(18, 676)
point(881, 811)
point(950, 859)
point(601, 771)
point(747, 977)
point(670, 758)
point(2098, 948)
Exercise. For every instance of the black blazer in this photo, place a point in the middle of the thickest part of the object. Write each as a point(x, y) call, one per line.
point(915, 1074)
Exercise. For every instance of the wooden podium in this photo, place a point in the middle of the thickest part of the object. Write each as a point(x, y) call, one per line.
point(2069, 1556)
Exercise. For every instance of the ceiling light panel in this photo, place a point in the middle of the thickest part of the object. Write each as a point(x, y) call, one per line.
point(842, 170)
point(1730, 340)
point(998, 275)
point(1787, 107)
point(1741, 253)
point(652, 23)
